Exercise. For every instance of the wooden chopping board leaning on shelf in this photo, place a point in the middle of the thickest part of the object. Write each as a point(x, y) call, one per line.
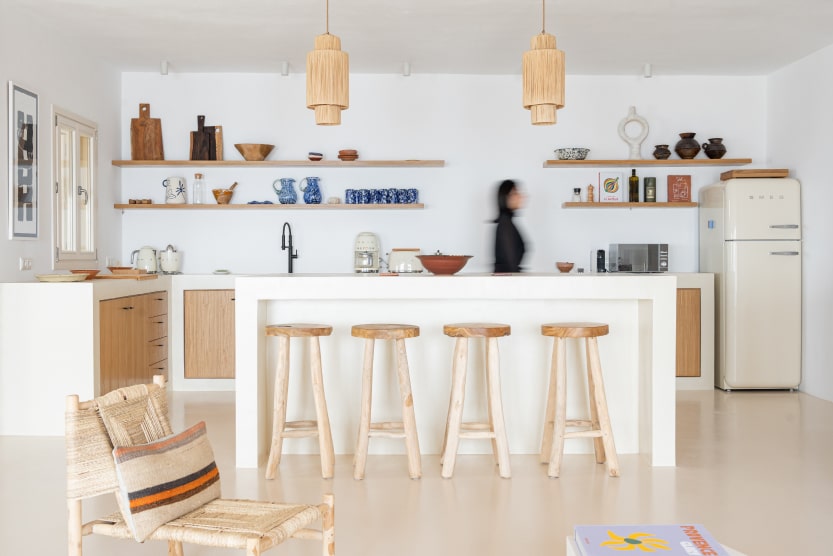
point(207, 141)
point(146, 136)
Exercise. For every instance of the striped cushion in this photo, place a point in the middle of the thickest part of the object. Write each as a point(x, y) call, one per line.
point(166, 479)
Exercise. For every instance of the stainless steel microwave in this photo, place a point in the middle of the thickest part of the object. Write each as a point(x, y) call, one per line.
point(638, 257)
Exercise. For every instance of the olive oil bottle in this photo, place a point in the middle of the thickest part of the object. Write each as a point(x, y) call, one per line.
point(633, 187)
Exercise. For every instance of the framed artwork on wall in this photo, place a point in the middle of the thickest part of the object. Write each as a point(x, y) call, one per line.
point(23, 163)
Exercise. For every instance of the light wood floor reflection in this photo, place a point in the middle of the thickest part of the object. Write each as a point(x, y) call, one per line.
point(753, 467)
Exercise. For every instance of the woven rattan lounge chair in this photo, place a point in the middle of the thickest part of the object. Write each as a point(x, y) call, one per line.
point(244, 524)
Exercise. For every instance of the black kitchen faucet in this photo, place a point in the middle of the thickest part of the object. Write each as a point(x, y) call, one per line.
point(285, 245)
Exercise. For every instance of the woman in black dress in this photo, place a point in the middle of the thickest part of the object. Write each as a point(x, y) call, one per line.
point(509, 245)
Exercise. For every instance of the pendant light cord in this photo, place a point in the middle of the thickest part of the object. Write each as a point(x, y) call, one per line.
point(327, 19)
point(543, 16)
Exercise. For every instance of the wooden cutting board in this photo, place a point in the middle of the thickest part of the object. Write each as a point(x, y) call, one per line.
point(755, 173)
point(127, 277)
point(207, 141)
point(146, 136)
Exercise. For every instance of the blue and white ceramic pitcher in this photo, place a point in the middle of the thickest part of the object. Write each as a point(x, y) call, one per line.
point(286, 193)
point(312, 194)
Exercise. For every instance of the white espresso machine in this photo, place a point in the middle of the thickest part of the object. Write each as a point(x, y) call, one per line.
point(366, 253)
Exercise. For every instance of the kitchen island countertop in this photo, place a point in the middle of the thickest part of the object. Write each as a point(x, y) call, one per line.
point(638, 357)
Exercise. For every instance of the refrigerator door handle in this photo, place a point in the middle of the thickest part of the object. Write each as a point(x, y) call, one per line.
point(785, 253)
point(784, 226)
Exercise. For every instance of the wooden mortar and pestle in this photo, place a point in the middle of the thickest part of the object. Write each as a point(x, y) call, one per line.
point(223, 196)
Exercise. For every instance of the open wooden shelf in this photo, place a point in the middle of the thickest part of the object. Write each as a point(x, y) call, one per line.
point(649, 162)
point(275, 206)
point(628, 205)
point(280, 163)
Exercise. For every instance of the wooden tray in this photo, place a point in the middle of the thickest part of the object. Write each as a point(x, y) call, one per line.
point(755, 173)
point(127, 277)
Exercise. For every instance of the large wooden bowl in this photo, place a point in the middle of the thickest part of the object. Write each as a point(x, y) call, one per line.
point(444, 264)
point(254, 152)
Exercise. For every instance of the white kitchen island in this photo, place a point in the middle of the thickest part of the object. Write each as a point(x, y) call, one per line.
point(638, 356)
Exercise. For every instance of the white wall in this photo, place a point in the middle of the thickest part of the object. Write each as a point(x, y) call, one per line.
point(475, 123)
point(37, 57)
point(800, 121)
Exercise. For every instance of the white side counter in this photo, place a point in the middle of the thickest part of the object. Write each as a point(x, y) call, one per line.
point(638, 356)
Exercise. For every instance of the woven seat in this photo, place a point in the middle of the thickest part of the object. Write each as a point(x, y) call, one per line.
point(253, 526)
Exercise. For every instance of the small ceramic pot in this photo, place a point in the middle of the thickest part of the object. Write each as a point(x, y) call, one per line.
point(714, 148)
point(661, 152)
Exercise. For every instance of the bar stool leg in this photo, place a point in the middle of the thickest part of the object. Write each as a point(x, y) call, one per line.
point(455, 409)
point(454, 370)
point(279, 411)
point(601, 408)
point(325, 437)
point(500, 445)
point(360, 458)
point(560, 357)
point(549, 415)
point(408, 416)
point(598, 442)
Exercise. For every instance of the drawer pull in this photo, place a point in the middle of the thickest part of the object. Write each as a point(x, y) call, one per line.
point(129, 308)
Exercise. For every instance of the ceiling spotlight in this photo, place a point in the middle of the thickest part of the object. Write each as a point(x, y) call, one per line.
point(164, 67)
point(406, 69)
point(647, 71)
point(284, 68)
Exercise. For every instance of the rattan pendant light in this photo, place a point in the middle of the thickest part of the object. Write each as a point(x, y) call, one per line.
point(543, 77)
point(328, 78)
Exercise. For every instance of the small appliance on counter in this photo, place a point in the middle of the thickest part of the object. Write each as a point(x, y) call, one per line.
point(638, 257)
point(145, 259)
point(366, 253)
point(169, 260)
point(404, 260)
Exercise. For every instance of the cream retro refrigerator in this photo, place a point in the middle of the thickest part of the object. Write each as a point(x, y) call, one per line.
point(750, 238)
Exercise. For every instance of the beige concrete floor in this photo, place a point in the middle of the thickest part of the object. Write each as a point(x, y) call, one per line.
point(753, 467)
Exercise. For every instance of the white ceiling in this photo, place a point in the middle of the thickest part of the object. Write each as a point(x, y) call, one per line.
point(691, 37)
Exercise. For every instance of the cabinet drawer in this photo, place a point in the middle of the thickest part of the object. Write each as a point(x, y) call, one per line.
point(156, 327)
point(157, 303)
point(157, 350)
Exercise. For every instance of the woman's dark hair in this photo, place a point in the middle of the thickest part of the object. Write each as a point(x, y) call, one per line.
point(506, 187)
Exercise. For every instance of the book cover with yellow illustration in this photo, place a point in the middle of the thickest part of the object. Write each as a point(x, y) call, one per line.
point(666, 540)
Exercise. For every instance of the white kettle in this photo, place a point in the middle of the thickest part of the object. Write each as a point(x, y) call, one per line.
point(145, 259)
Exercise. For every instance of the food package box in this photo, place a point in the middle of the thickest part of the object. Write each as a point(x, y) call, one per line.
point(679, 189)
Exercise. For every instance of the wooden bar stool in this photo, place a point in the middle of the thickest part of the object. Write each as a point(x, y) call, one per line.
point(407, 427)
point(494, 428)
point(298, 429)
point(555, 423)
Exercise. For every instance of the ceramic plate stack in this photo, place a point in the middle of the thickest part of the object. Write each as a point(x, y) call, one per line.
point(348, 154)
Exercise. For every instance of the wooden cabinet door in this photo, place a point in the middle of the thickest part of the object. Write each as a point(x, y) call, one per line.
point(121, 356)
point(209, 333)
point(688, 332)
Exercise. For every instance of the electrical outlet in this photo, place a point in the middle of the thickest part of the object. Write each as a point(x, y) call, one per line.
point(25, 263)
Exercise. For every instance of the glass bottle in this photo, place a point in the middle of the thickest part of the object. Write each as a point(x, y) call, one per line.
point(576, 194)
point(198, 192)
point(650, 195)
point(633, 187)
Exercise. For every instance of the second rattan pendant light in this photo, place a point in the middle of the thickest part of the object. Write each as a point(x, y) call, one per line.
point(543, 77)
point(328, 78)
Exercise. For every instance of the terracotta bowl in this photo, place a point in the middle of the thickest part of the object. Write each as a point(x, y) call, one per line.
point(223, 196)
point(444, 264)
point(90, 273)
point(254, 152)
point(564, 267)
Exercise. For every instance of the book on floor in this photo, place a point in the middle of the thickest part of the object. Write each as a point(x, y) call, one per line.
point(668, 540)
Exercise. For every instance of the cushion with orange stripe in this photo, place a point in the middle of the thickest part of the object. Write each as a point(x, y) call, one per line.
point(165, 479)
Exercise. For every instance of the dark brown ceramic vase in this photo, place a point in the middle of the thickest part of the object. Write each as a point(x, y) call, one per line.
point(687, 147)
point(714, 148)
point(661, 152)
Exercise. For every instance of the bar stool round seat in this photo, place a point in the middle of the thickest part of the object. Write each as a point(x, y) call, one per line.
point(406, 428)
point(598, 426)
point(493, 428)
point(299, 429)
